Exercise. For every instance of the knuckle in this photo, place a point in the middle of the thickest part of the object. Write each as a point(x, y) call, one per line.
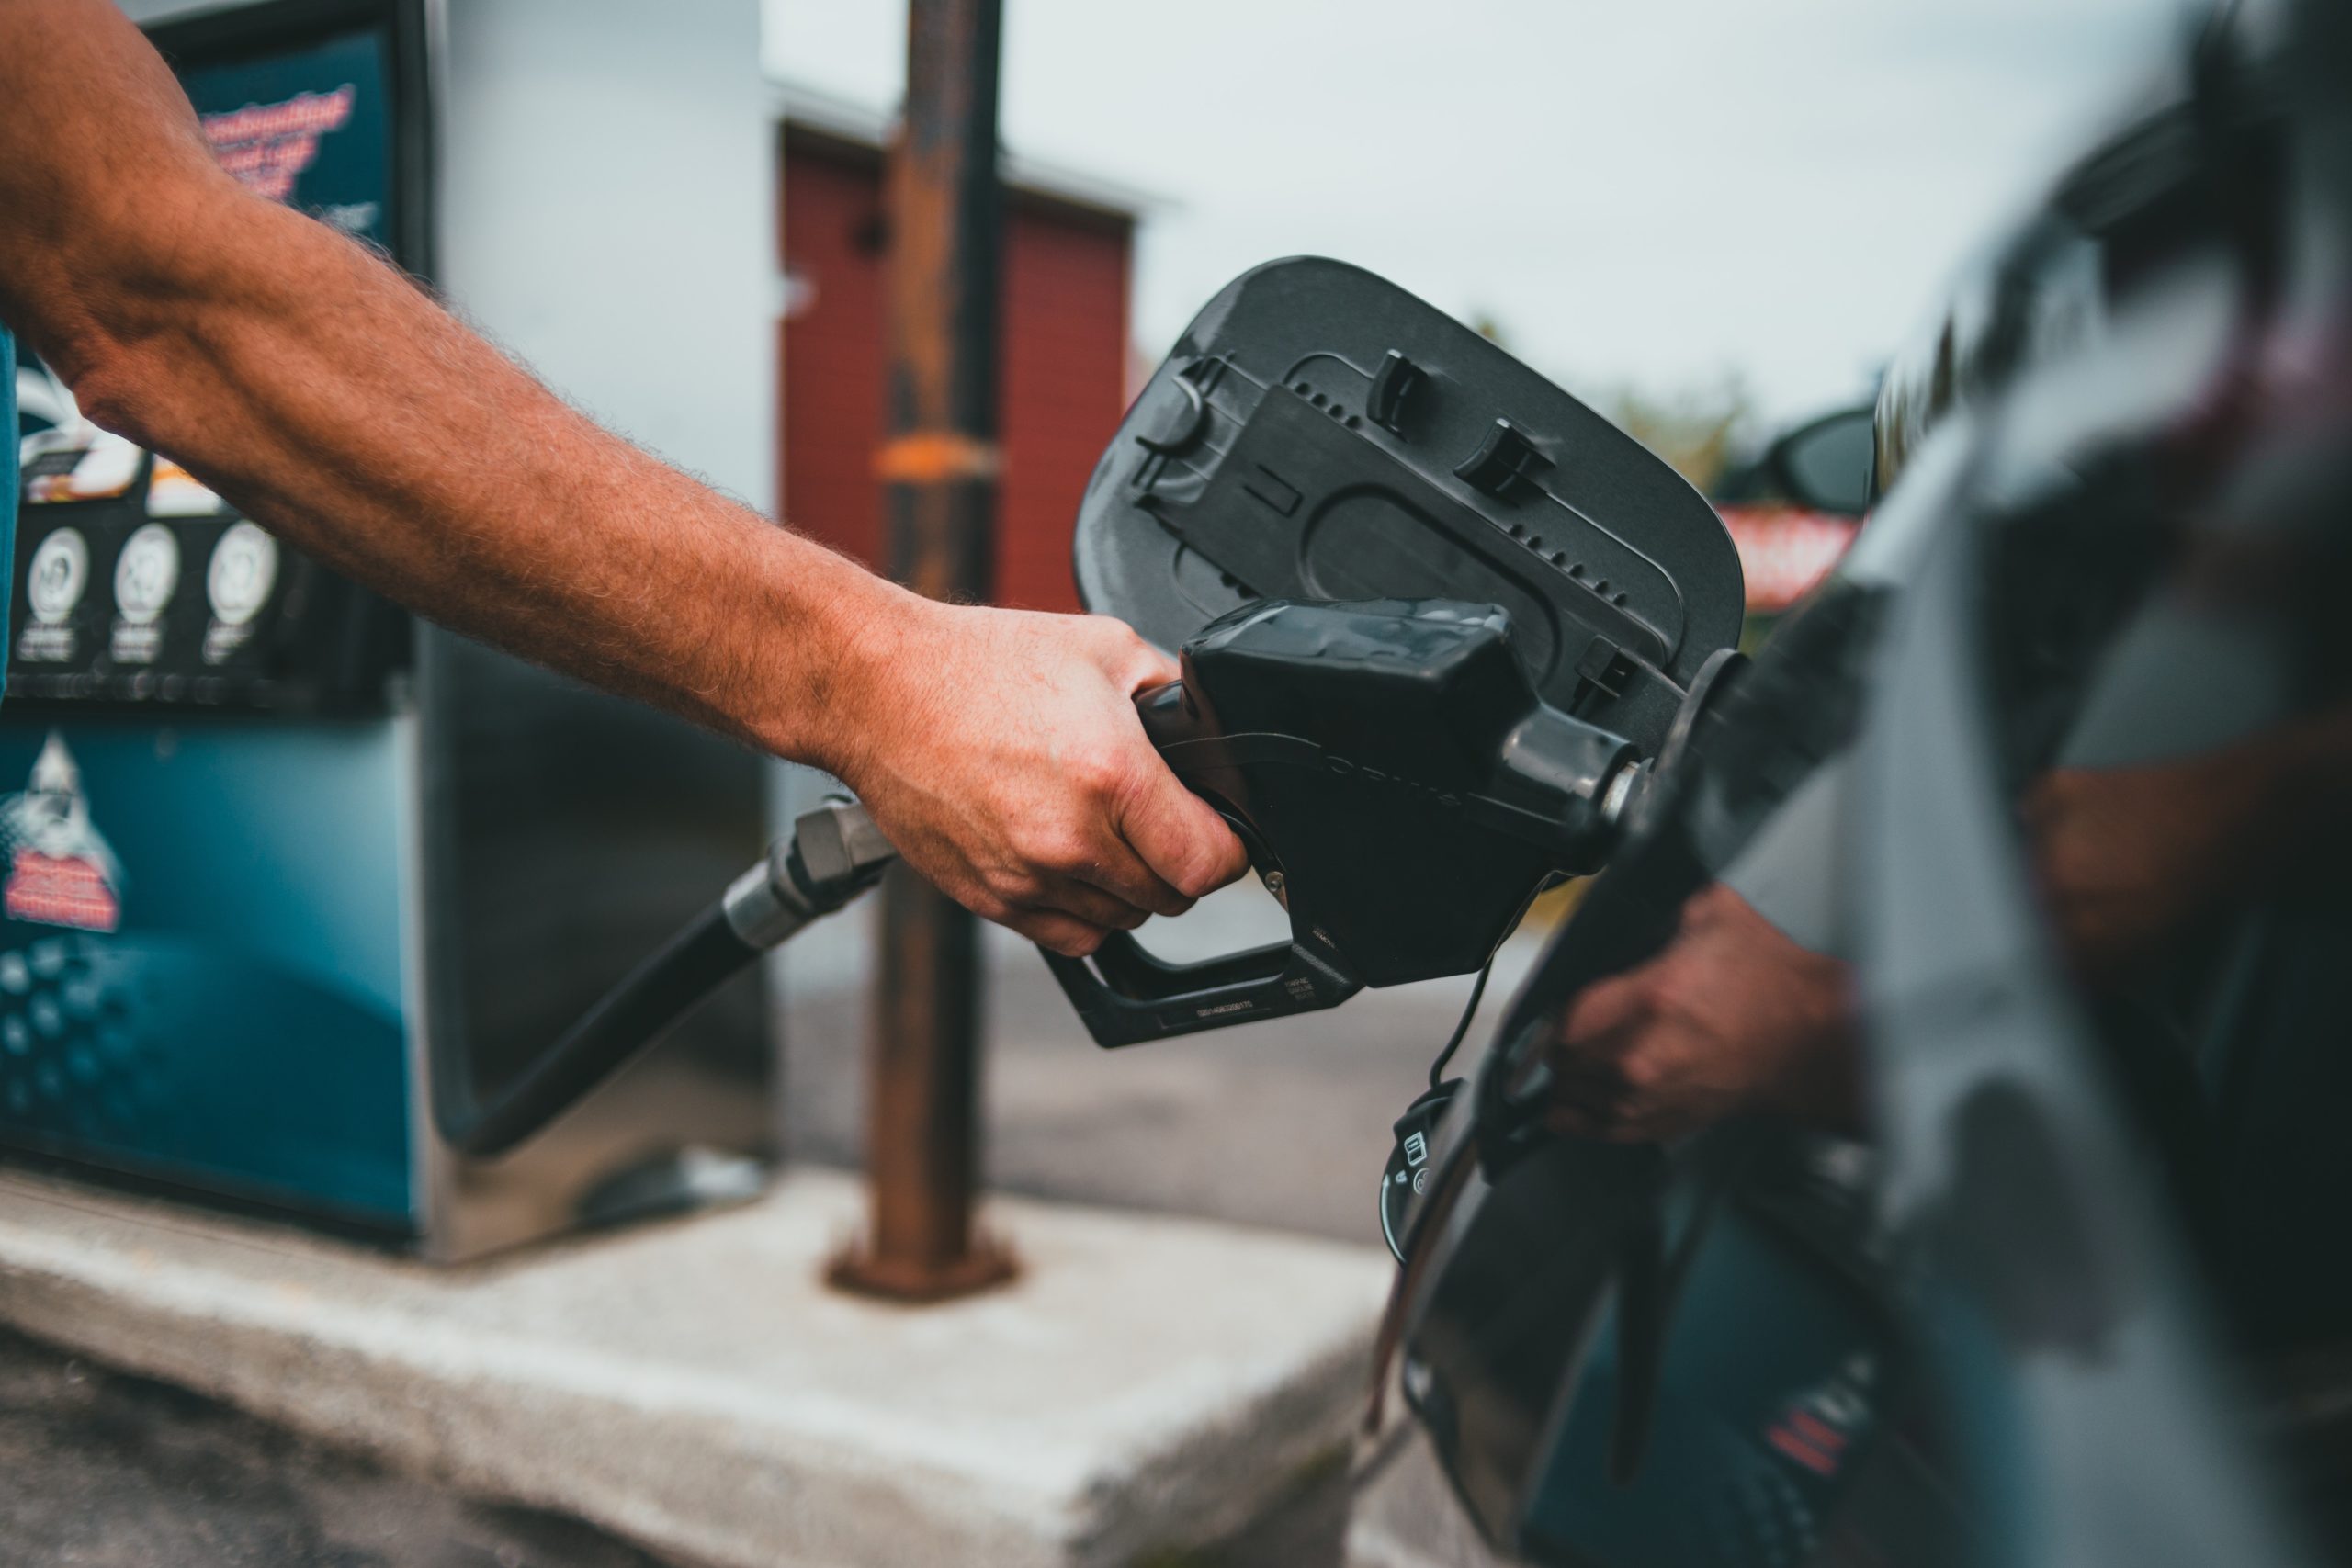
point(1053, 850)
point(1018, 887)
point(1102, 771)
point(1111, 635)
point(1067, 850)
point(1120, 640)
point(1648, 995)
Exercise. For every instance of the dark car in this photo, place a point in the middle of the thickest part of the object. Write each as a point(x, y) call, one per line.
point(2053, 774)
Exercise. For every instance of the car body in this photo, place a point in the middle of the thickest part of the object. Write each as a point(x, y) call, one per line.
point(2054, 766)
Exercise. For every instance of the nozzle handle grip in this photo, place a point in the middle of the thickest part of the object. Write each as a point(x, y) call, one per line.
point(1170, 715)
point(1126, 996)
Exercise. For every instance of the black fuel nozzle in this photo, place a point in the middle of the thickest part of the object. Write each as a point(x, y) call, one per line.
point(1396, 778)
point(1571, 783)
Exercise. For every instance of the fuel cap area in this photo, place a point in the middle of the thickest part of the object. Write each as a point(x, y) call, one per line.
point(1406, 1180)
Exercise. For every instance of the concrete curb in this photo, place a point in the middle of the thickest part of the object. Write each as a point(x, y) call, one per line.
point(1149, 1385)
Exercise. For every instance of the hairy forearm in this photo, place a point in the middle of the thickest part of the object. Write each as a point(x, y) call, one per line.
point(327, 398)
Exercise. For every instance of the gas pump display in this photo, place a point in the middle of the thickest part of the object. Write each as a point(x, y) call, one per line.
point(137, 586)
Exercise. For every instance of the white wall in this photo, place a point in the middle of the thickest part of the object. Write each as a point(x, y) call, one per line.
point(607, 192)
point(607, 213)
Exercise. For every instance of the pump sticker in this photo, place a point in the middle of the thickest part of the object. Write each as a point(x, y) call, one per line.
point(268, 146)
point(53, 587)
point(145, 576)
point(60, 869)
point(237, 583)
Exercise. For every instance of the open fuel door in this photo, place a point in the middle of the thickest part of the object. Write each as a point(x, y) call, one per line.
point(1320, 434)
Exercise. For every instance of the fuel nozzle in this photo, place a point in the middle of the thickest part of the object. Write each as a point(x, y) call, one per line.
point(1402, 788)
point(833, 854)
point(1572, 781)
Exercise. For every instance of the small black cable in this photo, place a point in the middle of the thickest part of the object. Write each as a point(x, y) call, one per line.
point(1469, 1011)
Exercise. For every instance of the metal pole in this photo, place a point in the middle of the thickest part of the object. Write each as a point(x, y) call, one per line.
point(938, 467)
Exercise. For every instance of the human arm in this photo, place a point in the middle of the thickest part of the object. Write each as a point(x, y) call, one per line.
point(328, 398)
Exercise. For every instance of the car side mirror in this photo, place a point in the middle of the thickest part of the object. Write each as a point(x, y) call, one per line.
point(1825, 466)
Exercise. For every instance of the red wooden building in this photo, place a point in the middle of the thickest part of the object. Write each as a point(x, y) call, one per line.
point(1068, 248)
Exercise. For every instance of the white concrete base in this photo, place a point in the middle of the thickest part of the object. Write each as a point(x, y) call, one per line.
point(1149, 1384)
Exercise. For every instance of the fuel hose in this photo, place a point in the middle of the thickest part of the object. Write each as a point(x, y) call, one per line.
point(833, 854)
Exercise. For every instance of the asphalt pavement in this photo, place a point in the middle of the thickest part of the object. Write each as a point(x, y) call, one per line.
point(107, 1470)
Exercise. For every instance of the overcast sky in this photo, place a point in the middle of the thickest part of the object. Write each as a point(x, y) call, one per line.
point(1655, 191)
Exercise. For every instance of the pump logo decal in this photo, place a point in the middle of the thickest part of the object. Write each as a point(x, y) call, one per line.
point(268, 146)
point(60, 869)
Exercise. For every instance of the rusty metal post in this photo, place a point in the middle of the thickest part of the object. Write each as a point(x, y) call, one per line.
point(938, 466)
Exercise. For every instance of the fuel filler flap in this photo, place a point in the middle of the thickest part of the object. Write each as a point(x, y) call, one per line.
point(1320, 433)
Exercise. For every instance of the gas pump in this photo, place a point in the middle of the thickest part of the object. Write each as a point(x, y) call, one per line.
point(279, 867)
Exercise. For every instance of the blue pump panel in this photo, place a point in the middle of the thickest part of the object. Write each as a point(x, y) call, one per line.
point(256, 827)
point(240, 1026)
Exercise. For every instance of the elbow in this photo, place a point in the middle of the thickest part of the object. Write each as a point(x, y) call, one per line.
point(122, 312)
point(111, 372)
point(114, 384)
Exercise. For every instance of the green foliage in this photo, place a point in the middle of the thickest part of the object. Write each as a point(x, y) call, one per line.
point(1699, 431)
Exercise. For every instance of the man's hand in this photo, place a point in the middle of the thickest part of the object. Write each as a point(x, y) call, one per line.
point(1732, 1017)
point(1000, 752)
